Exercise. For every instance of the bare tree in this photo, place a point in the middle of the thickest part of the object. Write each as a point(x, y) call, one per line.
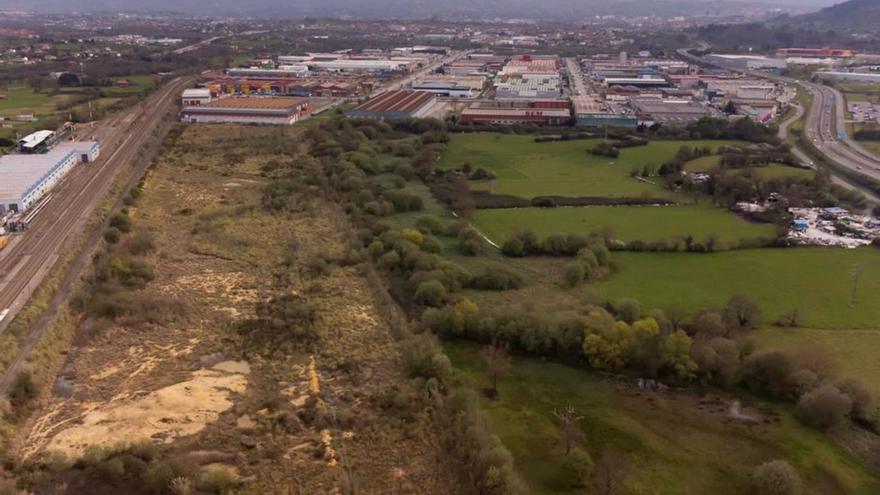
point(610, 473)
point(498, 365)
point(568, 426)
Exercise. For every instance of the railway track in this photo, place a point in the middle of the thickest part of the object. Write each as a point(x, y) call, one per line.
point(54, 230)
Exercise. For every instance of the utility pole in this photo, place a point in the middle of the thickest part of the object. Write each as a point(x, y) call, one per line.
point(853, 296)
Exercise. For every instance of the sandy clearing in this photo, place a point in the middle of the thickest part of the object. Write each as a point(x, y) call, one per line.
point(178, 410)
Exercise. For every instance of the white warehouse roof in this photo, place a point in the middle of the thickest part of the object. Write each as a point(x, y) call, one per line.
point(19, 173)
point(35, 139)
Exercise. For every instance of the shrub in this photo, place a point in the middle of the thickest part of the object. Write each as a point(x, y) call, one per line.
point(424, 358)
point(627, 310)
point(140, 243)
point(824, 406)
point(742, 314)
point(431, 293)
point(513, 248)
point(216, 479)
point(389, 260)
point(121, 222)
point(776, 478)
point(861, 398)
point(575, 273)
point(24, 389)
point(429, 224)
point(497, 278)
point(112, 235)
point(577, 467)
point(768, 372)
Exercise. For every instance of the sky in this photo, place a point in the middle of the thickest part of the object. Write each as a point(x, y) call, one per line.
point(407, 8)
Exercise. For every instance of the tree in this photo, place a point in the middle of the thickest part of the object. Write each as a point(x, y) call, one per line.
point(628, 310)
point(498, 365)
point(824, 406)
point(861, 398)
point(675, 350)
point(610, 473)
point(568, 427)
point(431, 293)
point(776, 478)
point(741, 314)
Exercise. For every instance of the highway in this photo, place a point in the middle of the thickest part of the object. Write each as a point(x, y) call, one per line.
point(824, 119)
point(30, 256)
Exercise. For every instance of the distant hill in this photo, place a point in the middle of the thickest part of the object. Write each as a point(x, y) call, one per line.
point(566, 10)
point(852, 15)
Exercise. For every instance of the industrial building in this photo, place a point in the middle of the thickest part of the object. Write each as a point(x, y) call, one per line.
point(195, 97)
point(636, 82)
point(281, 71)
point(670, 113)
point(529, 86)
point(747, 62)
point(449, 88)
point(36, 142)
point(865, 77)
point(393, 105)
point(815, 52)
point(248, 110)
point(591, 111)
point(541, 112)
point(25, 178)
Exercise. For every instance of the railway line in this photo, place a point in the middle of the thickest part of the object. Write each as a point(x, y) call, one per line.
point(53, 231)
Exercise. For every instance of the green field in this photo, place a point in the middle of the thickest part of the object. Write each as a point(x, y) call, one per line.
point(855, 351)
point(628, 223)
point(674, 447)
point(527, 169)
point(818, 281)
point(777, 171)
point(766, 172)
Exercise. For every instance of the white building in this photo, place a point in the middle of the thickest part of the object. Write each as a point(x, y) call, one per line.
point(25, 178)
point(850, 76)
point(195, 97)
point(748, 62)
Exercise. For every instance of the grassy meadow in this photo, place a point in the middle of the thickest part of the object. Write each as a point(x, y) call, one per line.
point(527, 169)
point(674, 444)
point(627, 223)
point(818, 281)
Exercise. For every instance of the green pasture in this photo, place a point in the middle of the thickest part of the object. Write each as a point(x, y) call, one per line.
point(627, 223)
point(673, 446)
point(525, 168)
point(817, 281)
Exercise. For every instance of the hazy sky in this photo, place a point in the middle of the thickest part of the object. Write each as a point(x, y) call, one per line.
point(409, 8)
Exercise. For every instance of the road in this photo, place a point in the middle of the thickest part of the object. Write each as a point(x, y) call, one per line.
point(576, 77)
point(823, 121)
point(408, 79)
point(30, 256)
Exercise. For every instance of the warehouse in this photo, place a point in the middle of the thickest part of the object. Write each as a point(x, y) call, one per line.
point(244, 110)
point(748, 62)
point(593, 112)
point(36, 142)
point(25, 178)
point(509, 116)
point(281, 71)
point(636, 82)
point(450, 89)
point(195, 97)
point(850, 76)
point(372, 66)
point(529, 86)
point(392, 105)
point(669, 113)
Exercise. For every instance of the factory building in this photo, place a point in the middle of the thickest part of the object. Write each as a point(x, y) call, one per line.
point(592, 112)
point(36, 142)
point(747, 62)
point(510, 112)
point(281, 71)
point(674, 113)
point(195, 97)
point(244, 110)
point(529, 86)
point(850, 76)
point(394, 105)
point(287, 86)
point(450, 89)
point(25, 178)
point(815, 52)
point(370, 66)
point(636, 82)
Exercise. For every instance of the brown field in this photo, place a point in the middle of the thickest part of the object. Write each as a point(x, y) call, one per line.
point(192, 385)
